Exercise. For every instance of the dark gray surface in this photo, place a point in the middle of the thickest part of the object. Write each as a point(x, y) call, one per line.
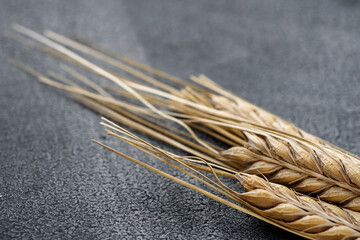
point(298, 59)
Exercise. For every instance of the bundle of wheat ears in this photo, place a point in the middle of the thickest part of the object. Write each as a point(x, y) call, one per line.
point(292, 179)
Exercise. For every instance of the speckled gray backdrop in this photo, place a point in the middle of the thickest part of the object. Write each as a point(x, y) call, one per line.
point(298, 59)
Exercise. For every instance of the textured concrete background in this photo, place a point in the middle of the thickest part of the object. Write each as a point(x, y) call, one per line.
point(298, 59)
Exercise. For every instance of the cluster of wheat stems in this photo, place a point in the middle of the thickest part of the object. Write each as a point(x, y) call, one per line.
point(291, 178)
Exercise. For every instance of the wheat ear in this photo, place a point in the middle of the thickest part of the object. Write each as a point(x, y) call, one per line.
point(315, 218)
point(295, 177)
point(306, 170)
point(248, 111)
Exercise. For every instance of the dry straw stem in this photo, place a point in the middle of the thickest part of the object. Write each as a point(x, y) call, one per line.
point(111, 110)
point(106, 74)
point(272, 203)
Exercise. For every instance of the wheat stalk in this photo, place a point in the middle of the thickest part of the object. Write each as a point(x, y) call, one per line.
point(262, 147)
point(337, 169)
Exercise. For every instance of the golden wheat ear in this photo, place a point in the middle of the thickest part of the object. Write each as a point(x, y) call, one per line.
point(292, 205)
point(313, 181)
